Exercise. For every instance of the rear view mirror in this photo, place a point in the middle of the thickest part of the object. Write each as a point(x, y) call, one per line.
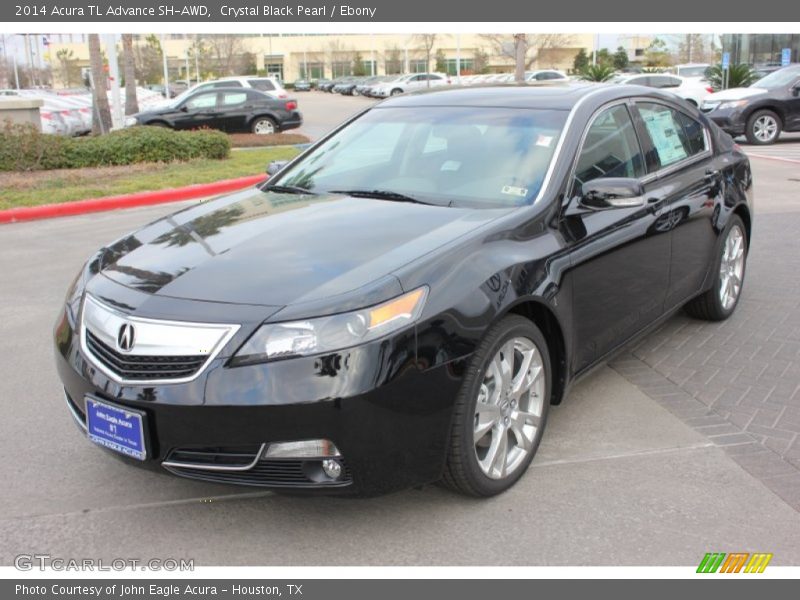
point(612, 192)
point(275, 166)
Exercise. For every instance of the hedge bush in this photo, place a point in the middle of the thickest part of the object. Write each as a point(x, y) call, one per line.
point(25, 148)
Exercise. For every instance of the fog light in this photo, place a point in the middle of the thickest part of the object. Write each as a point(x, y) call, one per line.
point(302, 449)
point(332, 468)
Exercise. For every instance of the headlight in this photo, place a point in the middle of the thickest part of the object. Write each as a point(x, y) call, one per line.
point(274, 341)
point(731, 104)
point(131, 121)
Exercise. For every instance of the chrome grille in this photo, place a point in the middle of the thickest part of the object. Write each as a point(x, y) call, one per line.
point(143, 367)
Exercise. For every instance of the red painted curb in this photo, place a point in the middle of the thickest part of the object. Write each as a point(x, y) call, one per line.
point(47, 211)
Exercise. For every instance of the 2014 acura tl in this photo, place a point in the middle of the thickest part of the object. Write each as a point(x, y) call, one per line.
point(403, 302)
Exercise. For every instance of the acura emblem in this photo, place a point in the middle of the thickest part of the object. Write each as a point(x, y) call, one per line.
point(125, 337)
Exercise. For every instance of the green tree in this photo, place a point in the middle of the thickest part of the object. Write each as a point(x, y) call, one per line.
point(657, 54)
point(148, 60)
point(69, 70)
point(597, 73)
point(441, 63)
point(581, 61)
point(481, 61)
point(359, 68)
point(620, 59)
point(739, 75)
point(604, 57)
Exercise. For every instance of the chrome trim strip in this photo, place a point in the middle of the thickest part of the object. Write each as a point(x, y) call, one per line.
point(228, 330)
point(169, 463)
point(74, 414)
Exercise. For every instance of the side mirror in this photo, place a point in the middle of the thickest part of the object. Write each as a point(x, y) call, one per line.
point(184, 108)
point(613, 192)
point(275, 166)
point(796, 89)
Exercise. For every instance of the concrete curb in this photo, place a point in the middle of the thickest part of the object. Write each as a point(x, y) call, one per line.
point(64, 209)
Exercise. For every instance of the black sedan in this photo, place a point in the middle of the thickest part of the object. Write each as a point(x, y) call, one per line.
point(402, 303)
point(759, 112)
point(234, 110)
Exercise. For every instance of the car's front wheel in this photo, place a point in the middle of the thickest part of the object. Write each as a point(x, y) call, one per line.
point(501, 409)
point(763, 127)
point(719, 302)
point(264, 126)
point(396, 91)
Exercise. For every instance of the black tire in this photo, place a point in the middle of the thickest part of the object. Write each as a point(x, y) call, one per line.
point(396, 91)
point(259, 122)
point(708, 306)
point(757, 117)
point(157, 124)
point(462, 472)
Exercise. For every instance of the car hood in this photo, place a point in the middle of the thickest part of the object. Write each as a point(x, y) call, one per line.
point(735, 94)
point(273, 249)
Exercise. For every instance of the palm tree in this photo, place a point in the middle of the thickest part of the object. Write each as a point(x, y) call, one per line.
point(739, 75)
point(101, 114)
point(129, 72)
point(597, 73)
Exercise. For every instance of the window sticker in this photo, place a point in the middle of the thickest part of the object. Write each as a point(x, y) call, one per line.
point(665, 134)
point(450, 165)
point(513, 190)
point(544, 140)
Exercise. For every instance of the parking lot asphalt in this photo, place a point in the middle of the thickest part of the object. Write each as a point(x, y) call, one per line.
point(686, 443)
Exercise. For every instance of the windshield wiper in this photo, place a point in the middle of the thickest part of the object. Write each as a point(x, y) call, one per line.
point(287, 189)
point(381, 195)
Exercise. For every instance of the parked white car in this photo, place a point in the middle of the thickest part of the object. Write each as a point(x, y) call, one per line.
point(546, 75)
point(408, 83)
point(692, 89)
point(696, 70)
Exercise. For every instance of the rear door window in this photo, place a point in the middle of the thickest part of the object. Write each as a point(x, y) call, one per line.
point(264, 85)
point(675, 136)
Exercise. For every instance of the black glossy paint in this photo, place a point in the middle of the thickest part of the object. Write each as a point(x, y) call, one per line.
point(591, 279)
point(233, 118)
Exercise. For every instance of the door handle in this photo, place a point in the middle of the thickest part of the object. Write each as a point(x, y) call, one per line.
point(711, 174)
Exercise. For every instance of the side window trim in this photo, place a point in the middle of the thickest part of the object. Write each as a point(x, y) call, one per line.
point(669, 169)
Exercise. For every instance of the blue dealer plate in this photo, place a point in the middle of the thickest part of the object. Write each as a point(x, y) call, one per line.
point(116, 428)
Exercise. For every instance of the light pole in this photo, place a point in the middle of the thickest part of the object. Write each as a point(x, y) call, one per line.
point(166, 69)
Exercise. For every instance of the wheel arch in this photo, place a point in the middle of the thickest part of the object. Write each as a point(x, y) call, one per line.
point(546, 320)
point(744, 214)
point(776, 108)
point(261, 115)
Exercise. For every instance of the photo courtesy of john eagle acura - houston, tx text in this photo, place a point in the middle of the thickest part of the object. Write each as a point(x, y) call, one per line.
point(402, 302)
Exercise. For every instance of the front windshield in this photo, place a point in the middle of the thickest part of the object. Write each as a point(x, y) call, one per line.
point(490, 157)
point(778, 79)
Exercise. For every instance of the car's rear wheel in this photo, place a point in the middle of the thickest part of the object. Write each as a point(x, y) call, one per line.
point(763, 127)
point(719, 302)
point(501, 410)
point(264, 126)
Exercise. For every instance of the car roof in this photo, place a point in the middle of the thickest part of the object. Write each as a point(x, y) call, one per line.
point(521, 95)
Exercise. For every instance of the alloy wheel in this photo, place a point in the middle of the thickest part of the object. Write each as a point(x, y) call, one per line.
point(731, 268)
point(509, 408)
point(765, 128)
point(264, 127)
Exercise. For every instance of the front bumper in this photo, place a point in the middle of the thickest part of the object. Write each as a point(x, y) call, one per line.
point(731, 121)
point(389, 418)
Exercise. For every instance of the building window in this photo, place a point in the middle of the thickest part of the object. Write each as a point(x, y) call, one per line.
point(418, 65)
point(369, 67)
point(467, 66)
point(394, 66)
point(316, 70)
point(342, 68)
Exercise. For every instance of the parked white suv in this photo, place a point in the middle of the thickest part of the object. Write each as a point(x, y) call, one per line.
point(407, 83)
point(691, 89)
point(268, 85)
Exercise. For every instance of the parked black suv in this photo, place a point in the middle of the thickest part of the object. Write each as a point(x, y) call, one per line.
point(761, 111)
